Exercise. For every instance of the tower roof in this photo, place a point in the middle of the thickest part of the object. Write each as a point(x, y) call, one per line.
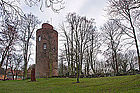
point(47, 26)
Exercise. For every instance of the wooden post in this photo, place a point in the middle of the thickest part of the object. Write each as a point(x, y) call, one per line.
point(33, 74)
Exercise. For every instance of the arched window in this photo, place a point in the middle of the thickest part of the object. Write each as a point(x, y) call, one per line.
point(39, 38)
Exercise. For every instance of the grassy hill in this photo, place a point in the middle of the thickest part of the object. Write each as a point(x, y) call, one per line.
point(119, 84)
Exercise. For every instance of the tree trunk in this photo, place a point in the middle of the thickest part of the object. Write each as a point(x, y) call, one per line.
point(16, 75)
point(12, 72)
point(135, 38)
point(116, 61)
point(25, 71)
point(5, 72)
point(6, 67)
point(78, 74)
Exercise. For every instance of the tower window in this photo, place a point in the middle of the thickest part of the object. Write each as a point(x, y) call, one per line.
point(44, 46)
point(54, 49)
point(39, 38)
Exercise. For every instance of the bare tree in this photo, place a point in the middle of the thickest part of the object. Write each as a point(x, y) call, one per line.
point(6, 64)
point(18, 60)
point(112, 34)
point(62, 59)
point(127, 62)
point(123, 62)
point(67, 48)
point(132, 60)
point(128, 11)
point(77, 37)
point(87, 64)
point(28, 26)
point(8, 36)
point(94, 48)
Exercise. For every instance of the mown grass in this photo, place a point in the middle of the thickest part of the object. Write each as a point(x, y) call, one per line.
point(119, 84)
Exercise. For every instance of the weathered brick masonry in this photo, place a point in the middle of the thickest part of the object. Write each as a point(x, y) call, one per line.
point(46, 51)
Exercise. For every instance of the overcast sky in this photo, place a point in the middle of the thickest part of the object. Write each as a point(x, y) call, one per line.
point(89, 8)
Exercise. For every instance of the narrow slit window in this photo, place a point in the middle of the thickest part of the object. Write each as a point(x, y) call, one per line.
point(44, 46)
point(54, 49)
point(39, 38)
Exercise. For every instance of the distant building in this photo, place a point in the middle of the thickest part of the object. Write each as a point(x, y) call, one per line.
point(10, 74)
point(46, 51)
point(16, 74)
point(1, 73)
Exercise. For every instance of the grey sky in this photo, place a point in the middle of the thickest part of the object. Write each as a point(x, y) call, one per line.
point(89, 8)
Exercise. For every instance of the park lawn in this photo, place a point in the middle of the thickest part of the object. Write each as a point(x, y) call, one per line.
point(119, 84)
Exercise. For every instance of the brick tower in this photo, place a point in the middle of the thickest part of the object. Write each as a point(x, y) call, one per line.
point(46, 51)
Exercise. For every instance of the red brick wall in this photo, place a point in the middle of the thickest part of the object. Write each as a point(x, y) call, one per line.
point(45, 57)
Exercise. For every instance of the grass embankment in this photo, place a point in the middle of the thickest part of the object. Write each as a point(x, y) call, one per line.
point(120, 84)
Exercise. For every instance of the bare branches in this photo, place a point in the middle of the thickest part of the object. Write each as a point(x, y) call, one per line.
point(82, 43)
point(55, 5)
point(8, 39)
point(129, 10)
point(113, 34)
point(27, 28)
point(10, 9)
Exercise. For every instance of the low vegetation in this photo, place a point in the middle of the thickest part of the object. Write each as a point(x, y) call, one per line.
point(119, 84)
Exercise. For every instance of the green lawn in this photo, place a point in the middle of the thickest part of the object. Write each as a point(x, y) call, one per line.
point(120, 84)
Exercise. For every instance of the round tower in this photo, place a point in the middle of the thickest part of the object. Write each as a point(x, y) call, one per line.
point(46, 51)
